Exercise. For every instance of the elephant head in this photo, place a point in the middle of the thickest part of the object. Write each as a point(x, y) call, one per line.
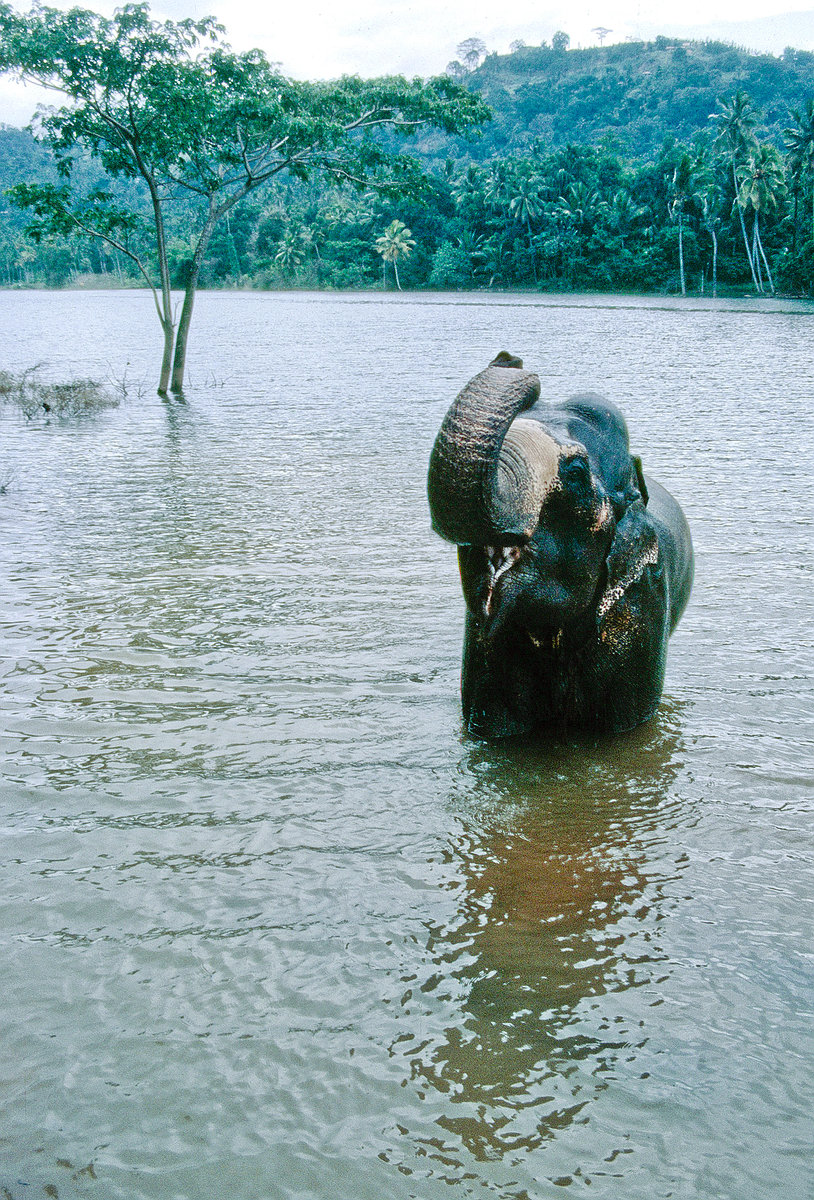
point(565, 573)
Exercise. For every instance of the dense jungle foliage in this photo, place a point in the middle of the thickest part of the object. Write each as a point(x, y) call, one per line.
point(665, 167)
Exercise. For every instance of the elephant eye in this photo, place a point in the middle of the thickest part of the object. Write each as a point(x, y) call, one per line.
point(575, 472)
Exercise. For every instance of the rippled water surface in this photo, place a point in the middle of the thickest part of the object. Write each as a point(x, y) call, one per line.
point(272, 927)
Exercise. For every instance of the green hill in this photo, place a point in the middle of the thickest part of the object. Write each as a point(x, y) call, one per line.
point(634, 92)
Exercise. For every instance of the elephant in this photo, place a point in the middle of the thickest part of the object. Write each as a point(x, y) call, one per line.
point(575, 566)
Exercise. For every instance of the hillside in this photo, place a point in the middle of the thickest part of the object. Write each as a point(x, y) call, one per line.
point(634, 92)
point(590, 176)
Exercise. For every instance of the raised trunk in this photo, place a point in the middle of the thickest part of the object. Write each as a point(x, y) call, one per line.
point(485, 488)
point(714, 264)
point(396, 273)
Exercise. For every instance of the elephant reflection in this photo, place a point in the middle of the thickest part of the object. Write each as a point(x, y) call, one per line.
point(559, 908)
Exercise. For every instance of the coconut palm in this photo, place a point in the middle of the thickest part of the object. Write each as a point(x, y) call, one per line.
point(710, 201)
point(736, 139)
point(799, 142)
point(762, 185)
point(622, 213)
point(291, 251)
point(680, 192)
point(526, 204)
point(396, 242)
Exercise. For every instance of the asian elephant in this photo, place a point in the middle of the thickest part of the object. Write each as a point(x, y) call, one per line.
point(575, 567)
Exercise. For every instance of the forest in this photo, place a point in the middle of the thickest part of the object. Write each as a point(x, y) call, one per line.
point(667, 167)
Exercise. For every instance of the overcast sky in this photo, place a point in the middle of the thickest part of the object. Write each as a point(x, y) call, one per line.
point(317, 39)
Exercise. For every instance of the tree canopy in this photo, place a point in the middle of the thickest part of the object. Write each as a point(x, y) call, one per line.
point(171, 106)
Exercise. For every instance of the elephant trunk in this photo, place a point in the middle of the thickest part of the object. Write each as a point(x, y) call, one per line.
point(488, 472)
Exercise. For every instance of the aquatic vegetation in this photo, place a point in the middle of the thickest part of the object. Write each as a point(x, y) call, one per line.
point(34, 396)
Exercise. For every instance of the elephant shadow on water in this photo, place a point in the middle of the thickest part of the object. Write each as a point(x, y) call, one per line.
point(562, 876)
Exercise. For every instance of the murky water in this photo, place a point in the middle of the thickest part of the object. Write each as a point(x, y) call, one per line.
point(271, 926)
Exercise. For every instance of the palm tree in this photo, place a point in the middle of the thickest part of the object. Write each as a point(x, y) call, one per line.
point(736, 139)
point(799, 142)
point(762, 184)
point(526, 204)
point(680, 194)
point(622, 213)
point(396, 242)
point(291, 252)
point(710, 199)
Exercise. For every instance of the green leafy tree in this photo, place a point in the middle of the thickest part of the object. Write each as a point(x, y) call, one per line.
point(170, 105)
point(710, 200)
point(736, 121)
point(396, 242)
point(799, 143)
point(680, 196)
point(471, 52)
point(526, 204)
point(762, 186)
point(292, 250)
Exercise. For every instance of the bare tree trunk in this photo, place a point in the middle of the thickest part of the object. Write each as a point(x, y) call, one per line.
point(531, 251)
point(756, 257)
point(750, 260)
point(179, 360)
point(396, 273)
point(681, 252)
point(185, 320)
point(714, 264)
point(763, 255)
point(165, 310)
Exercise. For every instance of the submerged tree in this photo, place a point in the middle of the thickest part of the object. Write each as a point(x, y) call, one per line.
point(169, 105)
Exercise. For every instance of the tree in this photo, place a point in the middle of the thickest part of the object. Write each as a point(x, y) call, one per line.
point(799, 142)
point(291, 251)
point(680, 194)
point(200, 128)
point(761, 186)
point(396, 242)
point(560, 42)
point(709, 199)
point(736, 121)
point(471, 52)
point(526, 204)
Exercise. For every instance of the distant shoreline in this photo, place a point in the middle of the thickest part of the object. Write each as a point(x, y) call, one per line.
point(102, 283)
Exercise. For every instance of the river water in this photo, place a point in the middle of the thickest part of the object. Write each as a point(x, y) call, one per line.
point(272, 927)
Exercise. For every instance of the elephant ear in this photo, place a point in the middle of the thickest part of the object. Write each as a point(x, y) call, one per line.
point(633, 603)
point(633, 622)
point(639, 469)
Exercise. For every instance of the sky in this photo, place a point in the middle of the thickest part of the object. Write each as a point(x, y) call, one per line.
point(317, 39)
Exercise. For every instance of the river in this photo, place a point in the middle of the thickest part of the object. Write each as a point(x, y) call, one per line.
point(272, 927)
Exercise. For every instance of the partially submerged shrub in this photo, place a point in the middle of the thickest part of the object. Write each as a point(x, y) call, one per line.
point(36, 398)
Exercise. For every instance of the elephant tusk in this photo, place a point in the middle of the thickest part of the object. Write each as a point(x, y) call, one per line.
point(498, 560)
